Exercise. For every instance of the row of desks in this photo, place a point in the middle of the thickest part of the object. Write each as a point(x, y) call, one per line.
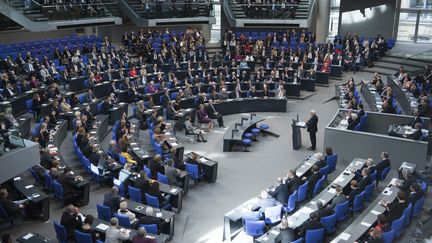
point(233, 219)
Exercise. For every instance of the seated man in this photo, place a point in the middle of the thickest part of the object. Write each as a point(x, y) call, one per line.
point(214, 114)
point(417, 133)
point(71, 220)
point(312, 224)
point(69, 181)
point(365, 180)
point(353, 121)
point(112, 199)
point(353, 191)
point(323, 211)
point(280, 192)
point(191, 129)
point(265, 201)
point(13, 208)
point(339, 198)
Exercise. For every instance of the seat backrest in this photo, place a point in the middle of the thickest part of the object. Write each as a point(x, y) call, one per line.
point(29, 105)
point(407, 213)
point(302, 192)
point(369, 191)
point(331, 161)
point(292, 200)
point(152, 201)
point(192, 170)
point(150, 228)
point(162, 178)
point(122, 159)
point(384, 173)
point(418, 206)
point(147, 170)
point(135, 194)
point(60, 232)
point(358, 201)
point(58, 190)
point(315, 235)
point(319, 185)
point(123, 220)
point(104, 212)
point(397, 225)
point(325, 170)
point(273, 213)
point(329, 223)
point(342, 210)
point(373, 176)
point(83, 237)
point(388, 236)
point(254, 228)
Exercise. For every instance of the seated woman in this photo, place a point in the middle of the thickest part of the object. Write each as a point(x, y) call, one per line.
point(140, 114)
point(155, 192)
point(87, 227)
point(191, 129)
point(128, 157)
point(37, 103)
point(203, 117)
point(123, 210)
point(64, 105)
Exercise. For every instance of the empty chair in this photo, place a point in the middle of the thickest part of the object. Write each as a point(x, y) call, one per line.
point(60, 232)
point(397, 225)
point(369, 191)
point(342, 210)
point(150, 228)
point(246, 142)
point(193, 171)
point(291, 205)
point(318, 185)
point(48, 186)
point(418, 207)
point(384, 173)
point(329, 223)
point(325, 170)
point(162, 178)
point(315, 236)
point(135, 194)
point(302, 192)
point(407, 213)
point(358, 202)
point(273, 214)
point(373, 176)
point(83, 237)
point(104, 212)
point(331, 162)
point(388, 236)
point(254, 228)
point(58, 190)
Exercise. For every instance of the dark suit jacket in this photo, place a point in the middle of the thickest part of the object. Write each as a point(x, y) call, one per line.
point(353, 194)
point(112, 201)
point(280, 193)
point(142, 184)
point(365, 181)
point(211, 112)
point(417, 119)
point(414, 197)
point(11, 208)
point(324, 212)
point(69, 184)
point(352, 123)
point(310, 225)
point(360, 113)
point(416, 135)
point(71, 223)
point(293, 184)
point(396, 209)
point(312, 124)
point(382, 165)
point(313, 180)
point(321, 163)
point(156, 167)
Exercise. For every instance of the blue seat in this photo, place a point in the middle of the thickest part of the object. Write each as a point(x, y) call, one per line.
point(325, 170)
point(254, 228)
point(104, 212)
point(273, 215)
point(5, 216)
point(48, 181)
point(150, 228)
point(369, 189)
point(424, 187)
point(35, 175)
point(418, 207)
point(397, 225)
point(407, 213)
point(83, 237)
point(60, 232)
point(154, 202)
point(373, 176)
point(123, 220)
point(255, 132)
point(329, 223)
point(246, 142)
point(302, 192)
point(331, 162)
point(58, 190)
point(318, 185)
point(162, 178)
point(384, 174)
point(29, 106)
point(248, 135)
point(299, 240)
point(342, 210)
point(388, 236)
point(100, 107)
point(147, 171)
point(358, 202)
point(122, 159)
point(193, 171)
point(291, 205)
point(264, 127)
point(315, 236)
point(135, 194)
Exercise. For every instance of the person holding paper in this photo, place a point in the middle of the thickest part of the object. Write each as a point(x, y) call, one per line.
point(115, 235)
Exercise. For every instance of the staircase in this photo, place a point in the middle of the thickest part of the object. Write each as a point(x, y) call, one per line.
point(237, 15)
point(166, 13)
point(37, 18)
point(389, 65)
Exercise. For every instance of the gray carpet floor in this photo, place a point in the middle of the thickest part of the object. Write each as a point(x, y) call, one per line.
point(240, 175)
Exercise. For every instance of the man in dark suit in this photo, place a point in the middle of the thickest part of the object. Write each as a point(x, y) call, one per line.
point(355, 190)
point(339, 198)
point(142, 182)
point(280, 192)
point(313, 179)
point(312, 128)
point(112, 199)
point(365, 180)
point(384, 163)
point(416, 119)
point(155, 166)
point(417, 133)
point(312, 224)
point(69, 182)
point(408, 180)
point(415, 194)
point(293, 182)
point(361, 112)
point(395, 209)
point(321, 162)
point(214, 114)
point(71, 220)
point(13, 209)
point(323, 211)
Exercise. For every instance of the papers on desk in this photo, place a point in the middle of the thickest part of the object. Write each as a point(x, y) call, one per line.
point(332, 190)
point(344, 236)
point(82, 217)
point(275, 232)
point(375, 212)
point(133, 144)
point(35, 195)
point(28, 186)
point(159, 215)
point(135, 149)
point(93, 132)
point(298, 173)
point(102, 226)
point(387, 192)
point(366, 224)
point(265, 238)
point(393, 181)
point(22, 119)
point(174, 190)
point(17, 178)
point(306, 210)
point(27, 236)
point(339, 179)
point(174, 144)
point(203, 160)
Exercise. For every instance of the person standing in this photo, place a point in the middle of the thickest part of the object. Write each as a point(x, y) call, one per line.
point(312, 128)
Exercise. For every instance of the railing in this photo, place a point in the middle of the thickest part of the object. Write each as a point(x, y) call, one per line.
point(164, 10)
point(77, 4)
point(424, 55)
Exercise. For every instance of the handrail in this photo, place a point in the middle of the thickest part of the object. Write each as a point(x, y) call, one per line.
point(267, 5)
point(310, 10)
point(79, 4)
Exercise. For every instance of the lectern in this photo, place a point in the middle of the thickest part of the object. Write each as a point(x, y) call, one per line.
point(296, 134)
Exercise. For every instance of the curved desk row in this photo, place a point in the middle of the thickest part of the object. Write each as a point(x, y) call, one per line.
point(245, 105)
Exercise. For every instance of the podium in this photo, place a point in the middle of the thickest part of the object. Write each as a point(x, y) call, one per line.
point(296, 134)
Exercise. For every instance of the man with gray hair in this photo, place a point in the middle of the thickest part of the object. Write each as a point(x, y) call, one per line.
point(141, 237)
point(312, 128)
point(115, 235)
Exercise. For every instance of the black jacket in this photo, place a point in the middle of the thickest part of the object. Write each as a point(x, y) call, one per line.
point(312, 124)
point(280, 193)
point(365, 181)
point(112, 201)
point(71, 223)
point(293, 184)
point(313, 180)
point(310, 225)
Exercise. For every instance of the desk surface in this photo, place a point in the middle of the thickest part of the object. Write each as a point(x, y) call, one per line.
point(369, 216)
point(34, 238)
point(31, 192)
point(140, 208)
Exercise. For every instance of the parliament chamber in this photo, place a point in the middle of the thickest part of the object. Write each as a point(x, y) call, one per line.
point(211, 121)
